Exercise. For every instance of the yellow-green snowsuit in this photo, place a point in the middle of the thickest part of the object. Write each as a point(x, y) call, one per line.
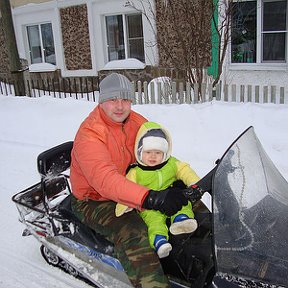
point(159, 178)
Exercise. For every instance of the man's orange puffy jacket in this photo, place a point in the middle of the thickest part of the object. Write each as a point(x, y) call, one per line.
point(102, 151)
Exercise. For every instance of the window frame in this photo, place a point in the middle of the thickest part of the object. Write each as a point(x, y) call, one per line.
point(273, 32)
point(125, 34)
point(260, 64)
point(42, 49)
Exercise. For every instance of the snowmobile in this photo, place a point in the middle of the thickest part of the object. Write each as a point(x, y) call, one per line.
point(241, 242)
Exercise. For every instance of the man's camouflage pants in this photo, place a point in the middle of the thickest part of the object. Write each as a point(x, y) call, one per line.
point(128, 233)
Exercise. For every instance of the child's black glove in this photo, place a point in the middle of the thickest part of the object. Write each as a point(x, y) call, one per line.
point(168, 201)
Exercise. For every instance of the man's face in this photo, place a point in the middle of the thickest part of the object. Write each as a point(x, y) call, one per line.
point(118, 110)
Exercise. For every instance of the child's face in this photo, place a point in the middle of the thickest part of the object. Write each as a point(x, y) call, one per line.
point(152, 157)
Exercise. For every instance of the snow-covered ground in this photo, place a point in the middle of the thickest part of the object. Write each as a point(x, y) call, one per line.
point(201, 133)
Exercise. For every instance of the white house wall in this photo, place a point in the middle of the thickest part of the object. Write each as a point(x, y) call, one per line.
point(255, 74)
point(32, 14)
point(262, 74)
point(105, 8)
point(97, 9)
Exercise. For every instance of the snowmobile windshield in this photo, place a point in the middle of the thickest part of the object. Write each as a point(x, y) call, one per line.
point(250, 207)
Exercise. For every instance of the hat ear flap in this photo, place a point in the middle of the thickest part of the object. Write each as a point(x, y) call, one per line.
point(140, 152)
point(164, 157)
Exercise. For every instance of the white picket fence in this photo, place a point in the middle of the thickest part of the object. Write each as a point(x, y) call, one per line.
point(167, 93)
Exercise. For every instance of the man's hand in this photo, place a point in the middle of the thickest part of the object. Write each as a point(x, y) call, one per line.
point(168, 201)
point(194, 193)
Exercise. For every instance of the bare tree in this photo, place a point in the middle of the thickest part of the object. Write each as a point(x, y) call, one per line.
point(185, 36)
point(11, 47)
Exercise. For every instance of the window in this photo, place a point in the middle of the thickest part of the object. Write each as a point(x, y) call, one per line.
point(125, 37)
point(135, 37)
point(243, 32)
point(41, 43)
point(254, 41)
point(274, 31)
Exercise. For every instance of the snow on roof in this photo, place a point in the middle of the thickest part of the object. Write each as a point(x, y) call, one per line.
point(130, 63)
point(42, 67)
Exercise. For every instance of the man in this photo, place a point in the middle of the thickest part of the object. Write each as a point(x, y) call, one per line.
point(102, 151)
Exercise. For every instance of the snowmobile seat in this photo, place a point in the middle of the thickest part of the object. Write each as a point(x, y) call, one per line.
point(51, 165)
point(55, 160)
point(85, 235)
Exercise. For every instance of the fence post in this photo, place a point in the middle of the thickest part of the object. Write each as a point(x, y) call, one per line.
point(75, 88)
point(29, 90)
point(218, 92)
point(1, 89)
point(196, 93)
point(152, 92)
point(233, 91)
point(81, 88)
point(210, 92)
point(242, 93)
point(203, 92)
point(273, 94)
point(54, 88)
point(181, 93)
point(145, 90)
point(257, 94)
point(87, 90)
point(265, 94)
point(282, 93)
point(174, 92)
point(249, 93)
point(159, 93)
point(226, 92)
point(93, 93)
point(139, 90)
point(5, 83)
point(167, 92)
point(134, 93)
point(188, 93)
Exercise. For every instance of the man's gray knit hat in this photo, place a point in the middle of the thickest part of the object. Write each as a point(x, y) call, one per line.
point(115, 86)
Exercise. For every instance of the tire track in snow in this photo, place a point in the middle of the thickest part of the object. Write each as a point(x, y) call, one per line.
point(39, 276)
point(22, 144)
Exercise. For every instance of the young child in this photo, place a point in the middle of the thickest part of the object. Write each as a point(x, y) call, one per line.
point(157, 170)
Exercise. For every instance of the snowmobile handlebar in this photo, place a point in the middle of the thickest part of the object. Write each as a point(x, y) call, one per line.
point(194, 193)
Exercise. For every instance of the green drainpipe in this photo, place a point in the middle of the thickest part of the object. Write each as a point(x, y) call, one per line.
point(213, 69)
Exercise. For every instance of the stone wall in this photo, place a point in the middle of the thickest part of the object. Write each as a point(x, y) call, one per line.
point(75, 35)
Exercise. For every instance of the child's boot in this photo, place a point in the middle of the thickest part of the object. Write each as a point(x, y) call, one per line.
point(162, 246)
point(183, 224)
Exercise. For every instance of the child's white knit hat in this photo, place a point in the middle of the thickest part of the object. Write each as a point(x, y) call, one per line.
point(155, 143)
